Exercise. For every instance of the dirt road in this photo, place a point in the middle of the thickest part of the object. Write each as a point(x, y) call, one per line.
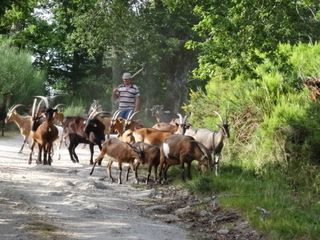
point(63, 202)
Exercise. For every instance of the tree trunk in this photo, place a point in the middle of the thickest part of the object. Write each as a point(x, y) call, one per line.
point(116, 74)
point(180, 68)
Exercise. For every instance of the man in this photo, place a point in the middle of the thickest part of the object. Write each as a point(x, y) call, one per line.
point(128, 96)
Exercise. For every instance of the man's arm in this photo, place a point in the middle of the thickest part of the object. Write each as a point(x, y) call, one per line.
point(115, 93)
point(137, 104)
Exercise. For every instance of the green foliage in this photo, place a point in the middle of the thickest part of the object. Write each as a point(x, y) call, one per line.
point(306, 59)
point(76, 108)
point(273, 121)
point(230, 32)
point(17, 75)
point(292, 214)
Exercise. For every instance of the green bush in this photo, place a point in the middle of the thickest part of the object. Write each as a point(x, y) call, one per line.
point(273, 122)
point(18, 76)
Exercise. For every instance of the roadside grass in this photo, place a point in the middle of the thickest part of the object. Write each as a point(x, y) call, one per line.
point(291, 214)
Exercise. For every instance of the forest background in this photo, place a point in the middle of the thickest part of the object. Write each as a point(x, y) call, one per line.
point(248, 60)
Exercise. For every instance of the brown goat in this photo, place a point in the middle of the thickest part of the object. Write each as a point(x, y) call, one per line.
point(24, 123)
point(181, 149)
point(150, 135)
point(168, 127)
point(44, 134)
point(120, 152)
point(150, 155)
point(116, 126)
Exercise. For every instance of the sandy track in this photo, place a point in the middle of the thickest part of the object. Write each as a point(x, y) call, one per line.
point(63, 202)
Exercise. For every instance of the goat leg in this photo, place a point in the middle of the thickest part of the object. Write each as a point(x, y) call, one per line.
point(120, 173)
point(94, 165)
point(31, 153)
point(49, 154)
point(24, 142)
point(183, 171)
point(135, 170)
point(216, 162)
point(155, 172)
point(45, 154)
point(127, 175)
point(109, 168)
point(91, 146)
point(149, 173)
point(71, 149)
point(189, 170)
point(39, 161)
point(166, 167)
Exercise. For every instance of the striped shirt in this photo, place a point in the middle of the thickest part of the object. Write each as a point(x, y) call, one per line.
point(127, 96)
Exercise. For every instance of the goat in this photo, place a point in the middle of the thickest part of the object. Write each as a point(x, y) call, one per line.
point(181, 149)
point(45, 134)
point(116, 125)
point(74, 129)
point(213, 141)
point(313, 84)
point(103, 116)
point(120, 152)
point(58, 116)
point(149, 154)
point(149, 135)
point(168, 127)
point(24, 123)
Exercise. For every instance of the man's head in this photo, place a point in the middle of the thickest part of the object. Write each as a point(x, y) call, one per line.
point(126, 76)
point(127, 79)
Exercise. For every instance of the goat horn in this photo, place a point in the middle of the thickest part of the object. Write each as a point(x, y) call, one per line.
point(14, 107)
point(180, 118)
point(129, 114)
point(185, 118)
point(94, 111)
point(116, 114)
point(45, 99)
point(38, 107)
point(133, 114)
point(219, 116)
point(58, 105)
point(33, 108)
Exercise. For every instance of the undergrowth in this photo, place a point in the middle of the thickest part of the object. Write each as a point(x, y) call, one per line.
point(291, 213)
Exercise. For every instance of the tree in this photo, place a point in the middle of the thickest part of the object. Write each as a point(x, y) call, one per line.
point(233, 33)
point(18, 76)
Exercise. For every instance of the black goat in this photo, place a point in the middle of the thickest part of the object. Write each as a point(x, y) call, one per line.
point(81, 130)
